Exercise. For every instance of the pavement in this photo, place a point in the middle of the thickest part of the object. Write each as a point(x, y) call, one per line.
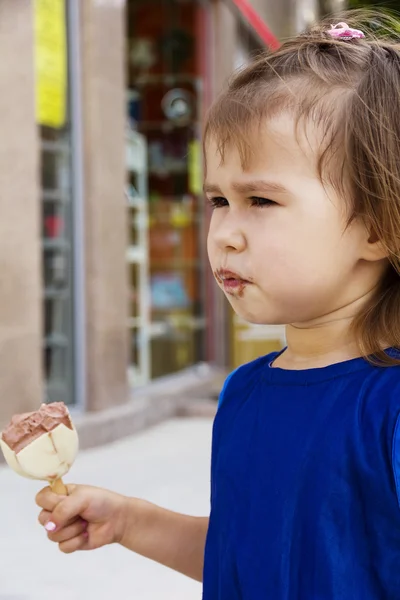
point(168, 464)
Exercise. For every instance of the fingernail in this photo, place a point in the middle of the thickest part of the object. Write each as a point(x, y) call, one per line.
point(85, 534)
point(84, 523)
point(50, 526)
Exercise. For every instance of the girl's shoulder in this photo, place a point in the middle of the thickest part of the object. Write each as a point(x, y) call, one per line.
point(379, 423)
point(381, 389)
point(246, 377)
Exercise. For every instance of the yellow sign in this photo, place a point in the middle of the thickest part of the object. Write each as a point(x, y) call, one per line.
point(50, 62)
point(195, 168)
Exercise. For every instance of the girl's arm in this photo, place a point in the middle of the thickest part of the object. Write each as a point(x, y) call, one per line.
point(171, 539)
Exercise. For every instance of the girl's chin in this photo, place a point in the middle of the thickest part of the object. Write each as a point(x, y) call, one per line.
point(256, 318)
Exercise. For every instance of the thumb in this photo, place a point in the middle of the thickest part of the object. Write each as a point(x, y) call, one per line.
point(48, 500)
point(68, 509)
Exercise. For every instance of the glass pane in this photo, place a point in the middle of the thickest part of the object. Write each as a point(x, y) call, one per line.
point(175, 281)
point(56, 167)
point(163, 105)
point(57, 320)
point(56, 225)
point(57, 263)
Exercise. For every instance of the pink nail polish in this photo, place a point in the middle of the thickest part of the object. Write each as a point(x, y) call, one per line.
point(85, 535)
point(50, 526)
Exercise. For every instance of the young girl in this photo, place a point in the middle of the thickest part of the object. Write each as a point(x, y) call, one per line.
point(303, 172)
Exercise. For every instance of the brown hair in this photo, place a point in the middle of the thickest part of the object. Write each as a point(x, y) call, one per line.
point(352, 89)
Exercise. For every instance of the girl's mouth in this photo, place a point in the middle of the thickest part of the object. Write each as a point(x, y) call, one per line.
point(232, 283)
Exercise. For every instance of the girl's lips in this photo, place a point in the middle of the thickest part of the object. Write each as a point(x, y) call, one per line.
point(223, 274)
point(234, 286)
point(232, 282)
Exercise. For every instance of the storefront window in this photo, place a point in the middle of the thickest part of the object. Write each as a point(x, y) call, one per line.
point(57, 257)
point(164, 100)
point(56, 181)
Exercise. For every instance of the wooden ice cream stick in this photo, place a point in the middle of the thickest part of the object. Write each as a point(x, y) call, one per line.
point(58, 487)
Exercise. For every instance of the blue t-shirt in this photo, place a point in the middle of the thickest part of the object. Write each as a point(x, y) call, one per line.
point(305, 485)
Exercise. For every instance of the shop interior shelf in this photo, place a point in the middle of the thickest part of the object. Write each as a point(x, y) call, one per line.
point(164, 124)
point(181, 170)
point(135, 254)
point(166, 79)
point(56, 339)
point(136, 202)
point(175, 264)
point(60, 146)
point(135, 322)
point(57, 196)
point(56, 293)
point(56, 244)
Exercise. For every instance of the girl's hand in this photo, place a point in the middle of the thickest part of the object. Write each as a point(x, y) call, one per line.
point(86, 519)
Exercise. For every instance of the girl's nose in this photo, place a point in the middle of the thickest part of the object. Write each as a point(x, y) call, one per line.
point(229, 236)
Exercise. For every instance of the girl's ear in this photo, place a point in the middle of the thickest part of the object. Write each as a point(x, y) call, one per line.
point(374, 248)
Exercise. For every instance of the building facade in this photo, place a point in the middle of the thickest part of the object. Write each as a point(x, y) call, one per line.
point(63, 301)
point(105, 284)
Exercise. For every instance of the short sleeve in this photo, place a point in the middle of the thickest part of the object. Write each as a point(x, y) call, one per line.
point(249, 372)
point(396, 457)
point(222, 393)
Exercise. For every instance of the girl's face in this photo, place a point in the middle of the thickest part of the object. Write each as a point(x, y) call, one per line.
point(278, 243)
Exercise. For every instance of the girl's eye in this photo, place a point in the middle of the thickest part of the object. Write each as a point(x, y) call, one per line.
point(218, 202)
point(257, 201)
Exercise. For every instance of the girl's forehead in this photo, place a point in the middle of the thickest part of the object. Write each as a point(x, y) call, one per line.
point(277, 144)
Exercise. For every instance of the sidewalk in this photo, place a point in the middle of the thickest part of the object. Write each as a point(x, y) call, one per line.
point(168, 465)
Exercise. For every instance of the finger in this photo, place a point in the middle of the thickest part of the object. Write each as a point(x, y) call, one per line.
point(47, 499)
point(67, 510)
point(44, 517)
point(77, 543)
point(67, 533)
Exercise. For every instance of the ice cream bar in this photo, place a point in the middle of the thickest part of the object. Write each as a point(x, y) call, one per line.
point(42, 444)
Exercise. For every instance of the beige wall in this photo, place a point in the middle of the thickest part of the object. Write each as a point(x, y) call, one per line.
point(278, 14)
point(103, 39)
point(224, 32)
point(20, 251)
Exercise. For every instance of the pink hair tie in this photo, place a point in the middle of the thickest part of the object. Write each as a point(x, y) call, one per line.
point(344, 32)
